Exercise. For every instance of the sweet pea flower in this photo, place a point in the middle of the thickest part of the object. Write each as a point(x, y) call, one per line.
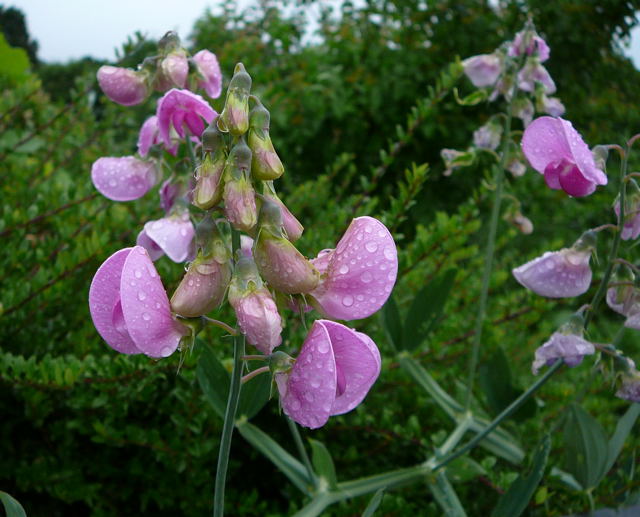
point(255, 308)
point(488, 136)
point(630, 387)
point(123, 178)
point(556, 150)
point(569, 347)
point(559, 274)
point(210, 75)
point(551, 105)
point(623, 297)
point(333, 373)
point(130, 308)
point(172, 235)
point(123, 85)
point(529, 43)
point(533, 72)
point(631, 223)
point(359, 274)
point(290, 224)
point(483, 70)
point(180, 108)
point(174, 69)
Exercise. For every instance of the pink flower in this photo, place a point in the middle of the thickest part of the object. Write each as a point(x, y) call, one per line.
point(333, 373)
point(536, 46)
point(178, 108)
point(172, 235)
point(290, 224)
point(483, 70)
point(209, 70)
point(175, 68)
point(557, 274)
point(533, 72)
point(554, 148)
point(569, 347)
point(255, 308)
point(130, 308)
point(123, 178)
point(358, 276)
point(123, 85)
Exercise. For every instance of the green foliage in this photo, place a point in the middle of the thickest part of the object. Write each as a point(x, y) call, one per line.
point(15, 63)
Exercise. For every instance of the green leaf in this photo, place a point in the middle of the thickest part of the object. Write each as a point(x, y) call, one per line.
point(322, 463)
point(15, 62)
point(498, 442)
point(446, 496)
point(373, 503)
point(285, 462)
point(426, 309)
point(514, 501)
point(472, 99)
point(464, 469)
point(586, 447)
point(214, 381)
point(496, 382)
point(625, 424)
point(391, 322)
point(12, 507)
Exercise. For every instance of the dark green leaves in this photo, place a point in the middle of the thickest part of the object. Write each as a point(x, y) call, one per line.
point(214, 381)
point(323, 464)
point(424, 314)
point(516, 499)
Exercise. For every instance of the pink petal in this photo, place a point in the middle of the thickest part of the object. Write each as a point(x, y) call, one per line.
point(208, 66)
point(557, 274)
point(357, 365)
point(361, 272)
point(123, 85)
point(104, 303)
point(174, 235)
point(124, 178)
point(174, 106)
point(582, 155)
point(544, 142)
point(146, 308)
point(311, 387)
point(154, 251)
point(259, 320)
point(148, 135)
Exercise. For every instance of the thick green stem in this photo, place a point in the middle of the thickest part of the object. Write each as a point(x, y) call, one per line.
point(301, 449)
point(488, 257)
point(230, 412)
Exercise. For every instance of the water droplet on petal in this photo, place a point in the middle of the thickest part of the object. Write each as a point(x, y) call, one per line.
point(371, 246)
point(166, 351)
point(344, 269)
point(141, 295)
point(295, 404)
point(347, 301)
point(138, 273)
point(146, 316)
point(366, 277)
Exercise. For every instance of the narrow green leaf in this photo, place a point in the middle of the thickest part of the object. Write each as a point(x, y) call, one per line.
point(322, 463)
point(464, 469)
point(498, 442)
point(12, 507)
point(422, 377)
point(495, 379)
point(625, 424)
point(446, 496)
point(373, 503)
point(213, 379)
point(391, 322)
point(426, 310)
point(514, 501)
point(586, 447)
point(472, 99)
point(285, 462)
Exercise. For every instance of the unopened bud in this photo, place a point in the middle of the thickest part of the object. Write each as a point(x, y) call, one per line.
point(235, 115)
point(290, 224)
point(173, 70)
point(208, 190)
point(239, 196)
point(266, 164)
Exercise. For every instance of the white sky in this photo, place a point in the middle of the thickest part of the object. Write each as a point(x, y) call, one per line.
point(71, 29)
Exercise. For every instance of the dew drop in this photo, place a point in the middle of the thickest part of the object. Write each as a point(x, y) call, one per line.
point(141, 295)
point(151, 270)
point(166, 351)
point(371, 246)
point(146, 316)
point(137, 273)
point(315, 382)
point(347, 301)
point(183, 232)
point(390, 253)
point(112, 183)
point(309, 396)
point(366, 277)
point(323, 347)
point(344, 269)
point(295, 404)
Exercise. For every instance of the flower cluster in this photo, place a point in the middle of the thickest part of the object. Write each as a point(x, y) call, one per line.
point(233, 190)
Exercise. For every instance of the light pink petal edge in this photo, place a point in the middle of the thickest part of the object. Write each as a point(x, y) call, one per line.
point(123, 178)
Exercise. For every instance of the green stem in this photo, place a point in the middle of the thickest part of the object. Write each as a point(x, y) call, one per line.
point(488, 258)
point(602, 288)
point(498, 420)
point(301, 450)
point(230, 412)
point(192, 153)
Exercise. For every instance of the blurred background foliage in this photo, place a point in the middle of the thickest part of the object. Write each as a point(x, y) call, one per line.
point(86, 431)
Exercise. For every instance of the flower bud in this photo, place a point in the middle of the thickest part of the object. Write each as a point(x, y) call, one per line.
point(488, 136)
point(235, 115)
point(630, 387)
point(265, 165)
point(566, 343)
point(208, 190)
point(203, 286)
point(173, 71)
point(239, 196)
point(290, 224)
point(210, 79)
point(483, 70)
point(279, 262)
point(123, 85)
point(257, 313)
point(631, 223)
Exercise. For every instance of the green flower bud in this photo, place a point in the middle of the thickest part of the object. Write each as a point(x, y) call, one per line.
point(234, 118)
point(266, 164)
point(239, 196)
